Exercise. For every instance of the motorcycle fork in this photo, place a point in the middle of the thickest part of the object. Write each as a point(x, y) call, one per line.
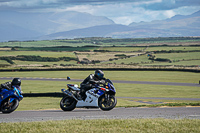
point(7, 103)
point(107, 97)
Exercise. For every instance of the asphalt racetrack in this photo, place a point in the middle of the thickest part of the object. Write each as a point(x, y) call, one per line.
point(116, 113)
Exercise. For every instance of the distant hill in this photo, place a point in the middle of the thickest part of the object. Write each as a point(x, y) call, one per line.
point(10, 31)
point(176, 26)
point(95, 31)
point(31, 25)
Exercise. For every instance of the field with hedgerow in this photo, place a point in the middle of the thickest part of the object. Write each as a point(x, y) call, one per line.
point(173, 52)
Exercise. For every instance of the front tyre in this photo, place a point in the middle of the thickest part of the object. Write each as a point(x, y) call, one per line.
point(68, 103)
point(8, 107)
point(107, 102)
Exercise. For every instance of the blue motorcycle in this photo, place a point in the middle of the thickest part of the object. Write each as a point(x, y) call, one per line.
point(9, 99)
point(102, 97)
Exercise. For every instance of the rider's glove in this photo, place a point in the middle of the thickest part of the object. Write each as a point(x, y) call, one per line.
point(102, 82)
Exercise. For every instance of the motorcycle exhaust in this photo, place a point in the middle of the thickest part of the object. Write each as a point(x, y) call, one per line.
point(69, 94)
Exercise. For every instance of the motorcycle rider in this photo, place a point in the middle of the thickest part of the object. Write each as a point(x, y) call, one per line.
point(16, 82)
point(92, 79)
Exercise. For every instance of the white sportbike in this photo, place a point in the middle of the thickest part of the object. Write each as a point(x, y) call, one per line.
point(102, 97)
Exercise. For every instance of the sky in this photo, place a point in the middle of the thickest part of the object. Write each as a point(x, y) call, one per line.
point(120, 11)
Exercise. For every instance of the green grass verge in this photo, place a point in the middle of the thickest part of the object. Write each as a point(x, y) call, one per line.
point(142, 90)
point(129, 102)
point(105, 125)
point(43, 103)
point(39, 103)
point(174, 104)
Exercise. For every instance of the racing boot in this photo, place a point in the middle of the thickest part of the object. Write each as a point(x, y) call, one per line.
point(83, 95)
point(79, 97)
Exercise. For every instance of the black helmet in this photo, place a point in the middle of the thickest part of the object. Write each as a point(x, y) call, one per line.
point(16, 81)
point(99, 74)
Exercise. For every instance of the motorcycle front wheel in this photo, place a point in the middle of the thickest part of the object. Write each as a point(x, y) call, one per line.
point(68, 103)
point(107, 102)
point(8, 107)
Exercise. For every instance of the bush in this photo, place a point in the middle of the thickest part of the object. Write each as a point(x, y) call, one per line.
point(162, 59)
point(120, 55)
point(8, 59)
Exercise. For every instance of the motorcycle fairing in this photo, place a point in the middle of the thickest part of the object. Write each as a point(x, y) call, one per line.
point(91, 100)
point(13, 94)
point(111, 86)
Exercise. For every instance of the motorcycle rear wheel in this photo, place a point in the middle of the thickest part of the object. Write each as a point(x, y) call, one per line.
point(9, 107)
point(68, 103)
point(107, 104)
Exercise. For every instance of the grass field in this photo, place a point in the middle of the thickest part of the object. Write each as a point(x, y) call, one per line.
point(4, 62)
point(138, 59)
point(151, 48)
point(188, 57)
point(185, 59)
point(173, 48)
point(178, 63)
point(122, 49)
point(180, 56)
point(35, 63)
point(36, 53)
point(106, 126)
point(44, 43)
point(102, 42)
point(105, 56)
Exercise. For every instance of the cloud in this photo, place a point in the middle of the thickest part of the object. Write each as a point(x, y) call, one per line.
point(171, 4)
point(27, 3)
point(60, 4)
point(66, 3)
point(120, 11)
point(165, 4)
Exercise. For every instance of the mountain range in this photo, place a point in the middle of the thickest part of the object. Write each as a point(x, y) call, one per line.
point(43, 26)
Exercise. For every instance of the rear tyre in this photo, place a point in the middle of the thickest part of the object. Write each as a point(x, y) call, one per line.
point(108, 102)
point(68, 103)
point(7, 107)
